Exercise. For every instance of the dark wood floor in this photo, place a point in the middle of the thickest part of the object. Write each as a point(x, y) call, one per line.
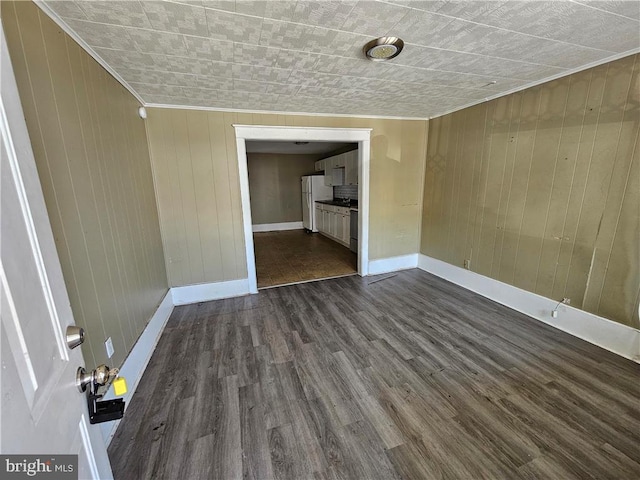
point(403, 376)
point(293, 256)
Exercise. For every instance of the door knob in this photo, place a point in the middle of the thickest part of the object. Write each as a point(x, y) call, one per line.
point(93, 382)
point(99, 377)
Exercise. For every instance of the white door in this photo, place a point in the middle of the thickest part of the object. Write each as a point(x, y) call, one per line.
point(42, 412)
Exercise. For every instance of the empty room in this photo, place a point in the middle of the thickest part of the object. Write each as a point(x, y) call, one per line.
point(296, 239)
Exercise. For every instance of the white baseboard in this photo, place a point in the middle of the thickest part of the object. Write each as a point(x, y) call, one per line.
point(610, 335)
point(275, 227)
point(393, 264)
point(137, 360)
point(203, 292)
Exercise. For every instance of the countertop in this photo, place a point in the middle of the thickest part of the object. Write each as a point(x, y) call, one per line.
point(353, 205)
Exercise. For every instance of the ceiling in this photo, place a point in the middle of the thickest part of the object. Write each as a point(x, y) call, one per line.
point(306, 56)
point(264, 146)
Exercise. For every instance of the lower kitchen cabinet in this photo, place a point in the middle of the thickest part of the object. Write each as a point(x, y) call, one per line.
point(333, 222)
point(319, 218)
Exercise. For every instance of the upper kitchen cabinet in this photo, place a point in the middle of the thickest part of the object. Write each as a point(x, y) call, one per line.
point(334, 177)
point(337, 161)
point(351, 168)
point(340, 169)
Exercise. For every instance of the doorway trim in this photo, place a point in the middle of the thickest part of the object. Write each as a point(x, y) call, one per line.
point(361, 136)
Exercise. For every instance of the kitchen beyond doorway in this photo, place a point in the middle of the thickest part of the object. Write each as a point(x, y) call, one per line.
point(249, 133)
point(293, 256)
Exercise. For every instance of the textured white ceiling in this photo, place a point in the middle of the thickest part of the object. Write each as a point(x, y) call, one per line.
point(306, 56)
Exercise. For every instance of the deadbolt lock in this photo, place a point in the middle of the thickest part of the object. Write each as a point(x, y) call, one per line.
point(75, 336)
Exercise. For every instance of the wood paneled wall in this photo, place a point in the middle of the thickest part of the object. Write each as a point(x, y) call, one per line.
point(275, 186)
point(92, 157)
point(194, 160)
point(541, 189)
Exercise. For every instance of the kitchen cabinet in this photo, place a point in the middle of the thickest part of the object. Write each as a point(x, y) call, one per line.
point(334, 177)
point(346, 228)
point(340, 169)
point(335, 222)
point(326, 221)
point(337, 161)
point(339, 226)
point(319, 218)
point(351, 168)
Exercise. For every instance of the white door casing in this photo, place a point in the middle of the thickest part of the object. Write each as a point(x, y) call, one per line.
point(42, 412)
point(361, 136)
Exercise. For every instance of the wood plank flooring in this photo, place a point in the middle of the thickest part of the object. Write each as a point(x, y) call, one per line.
point(388, 377)
point(295, 256)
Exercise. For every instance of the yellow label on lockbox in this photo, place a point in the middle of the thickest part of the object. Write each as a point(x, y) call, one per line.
point(119, 386)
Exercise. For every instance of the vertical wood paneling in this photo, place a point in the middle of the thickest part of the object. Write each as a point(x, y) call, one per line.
point(226, 227)
point(540, 183)
point(620, 148)
point(623, 264)
point(162, 151)
point(398, 154)
point(469, 171)
point(565, 170)
point(525, 141)
point(506, 182)
point(596, 189)
point(186, 181)
point(82, 233)
point(92, 157)
point(450, 185)
point(101, 131)
point(433, 186)
point(566, 260)
point(204, 188)
point(101, 235)
point(497, 138)
point(233, 186)
point(480, 196)
point(543, 191)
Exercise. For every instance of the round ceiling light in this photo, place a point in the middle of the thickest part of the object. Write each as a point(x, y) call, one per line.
point(383, 48)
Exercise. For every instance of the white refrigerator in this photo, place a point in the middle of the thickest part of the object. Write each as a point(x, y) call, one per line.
point(313, 189)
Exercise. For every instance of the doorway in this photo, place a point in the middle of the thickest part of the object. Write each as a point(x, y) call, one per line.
point(287, 182)
point(361, 136)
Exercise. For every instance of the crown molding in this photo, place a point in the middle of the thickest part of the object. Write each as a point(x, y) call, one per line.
point(566, 73)
point(278, 112)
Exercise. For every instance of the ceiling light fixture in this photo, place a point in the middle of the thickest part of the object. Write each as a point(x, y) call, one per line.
point(383, 48)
